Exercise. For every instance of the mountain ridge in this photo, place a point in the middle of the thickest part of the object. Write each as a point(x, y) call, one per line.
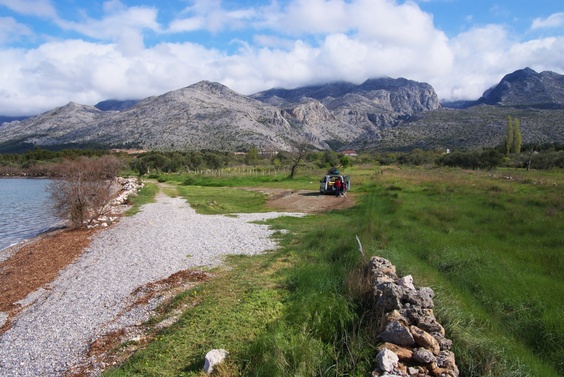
point(371, 115)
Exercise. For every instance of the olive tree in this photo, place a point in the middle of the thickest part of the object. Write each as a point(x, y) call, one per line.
point(82, 187)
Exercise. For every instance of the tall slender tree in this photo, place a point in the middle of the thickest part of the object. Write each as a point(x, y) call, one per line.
point(513, 141)
point(516, 136)
point(510, 134)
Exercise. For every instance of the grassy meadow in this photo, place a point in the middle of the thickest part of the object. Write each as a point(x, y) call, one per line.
point(490, 244)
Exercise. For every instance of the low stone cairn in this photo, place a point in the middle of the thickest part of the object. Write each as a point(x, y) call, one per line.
point(413, 342)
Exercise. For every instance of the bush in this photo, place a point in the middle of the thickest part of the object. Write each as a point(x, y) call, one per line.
point(486, 159)
point(81, 188)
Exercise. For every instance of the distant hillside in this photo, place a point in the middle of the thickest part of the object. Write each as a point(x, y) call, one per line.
point(4, 118)
point(474, 127)
point(379, 114)
point(209, 115)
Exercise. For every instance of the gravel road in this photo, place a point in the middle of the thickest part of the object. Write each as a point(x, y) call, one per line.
point(89, 297)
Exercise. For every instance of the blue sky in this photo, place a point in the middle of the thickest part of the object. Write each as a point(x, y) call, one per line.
point(56, 51)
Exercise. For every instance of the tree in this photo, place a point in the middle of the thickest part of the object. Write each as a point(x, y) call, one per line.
point(297, 156)
point(510, 134)
point(252, 156)
point(513, 141)
point(345, 161)
point(82, 187)
point(516, 136)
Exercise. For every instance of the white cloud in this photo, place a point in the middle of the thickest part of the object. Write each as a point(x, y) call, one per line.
point(209, 15)
point(11, 30)
point(116, 21)
point(39, 8)
point(301, 43)
point(309, 17)
point(122, 25)
point(553, 21)
point(484, 55)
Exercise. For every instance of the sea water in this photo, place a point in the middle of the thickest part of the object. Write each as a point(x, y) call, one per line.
point(25, 210)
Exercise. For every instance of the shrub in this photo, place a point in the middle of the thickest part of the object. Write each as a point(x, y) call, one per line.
point(81, 188)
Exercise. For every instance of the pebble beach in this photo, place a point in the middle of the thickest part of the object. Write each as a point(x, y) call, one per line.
point(90, 297)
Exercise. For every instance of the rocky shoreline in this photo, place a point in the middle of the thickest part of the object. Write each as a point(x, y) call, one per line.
point(123, 188)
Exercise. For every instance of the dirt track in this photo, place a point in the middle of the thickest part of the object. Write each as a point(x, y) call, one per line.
point(304, 200)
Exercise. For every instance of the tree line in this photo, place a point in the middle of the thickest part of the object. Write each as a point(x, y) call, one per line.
point(541, 157)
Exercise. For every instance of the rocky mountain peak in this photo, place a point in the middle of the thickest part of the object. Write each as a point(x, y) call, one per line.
point(526, 87)
point(213, 88)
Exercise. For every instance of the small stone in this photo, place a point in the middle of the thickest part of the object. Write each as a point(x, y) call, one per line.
point(447, 361)
point(397, 333)
point(424, 356)
point(402, 352)
point(213, 358)
point(406, 282)
point(387, 360)
point(444, 343)
point(3, 318)
point(425, 340)
point(391, 296)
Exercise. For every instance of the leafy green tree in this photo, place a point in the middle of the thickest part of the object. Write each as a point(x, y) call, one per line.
point(510, 134)
point(330, 158)
point(516, 136)
point(252, 156)
point(214, 160)
point(513, 141)
point(345, 161)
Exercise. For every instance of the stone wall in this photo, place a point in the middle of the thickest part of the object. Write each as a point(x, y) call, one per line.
point(413, 343)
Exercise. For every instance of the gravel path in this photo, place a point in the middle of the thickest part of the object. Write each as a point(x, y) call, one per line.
point(53, 333)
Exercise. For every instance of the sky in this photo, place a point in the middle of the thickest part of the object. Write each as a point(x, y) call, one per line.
point(56, 51)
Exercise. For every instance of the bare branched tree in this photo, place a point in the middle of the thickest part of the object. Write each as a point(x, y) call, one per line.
point(298, 156)
point(82, 188)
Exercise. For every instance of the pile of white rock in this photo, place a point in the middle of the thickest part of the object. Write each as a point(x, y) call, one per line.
point(128, 186)
point(125, 187)
point(413, 343)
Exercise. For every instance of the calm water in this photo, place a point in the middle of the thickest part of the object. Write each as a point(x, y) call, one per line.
point(24, 209)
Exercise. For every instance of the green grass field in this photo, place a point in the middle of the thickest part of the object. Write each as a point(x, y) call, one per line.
point(491, 245)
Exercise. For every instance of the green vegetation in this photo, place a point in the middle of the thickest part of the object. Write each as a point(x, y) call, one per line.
point(513, 141)
point(217, 200)
point(37, 162)
point(145, 195)
point(490, 244)
point(492, 247)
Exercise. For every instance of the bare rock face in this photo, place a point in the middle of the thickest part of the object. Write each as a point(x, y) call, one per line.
point(525, 87)
point(381, 113)
point(209, 115)
point(409, 328)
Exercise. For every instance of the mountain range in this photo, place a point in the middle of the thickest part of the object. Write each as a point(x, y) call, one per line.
point(379, 114)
